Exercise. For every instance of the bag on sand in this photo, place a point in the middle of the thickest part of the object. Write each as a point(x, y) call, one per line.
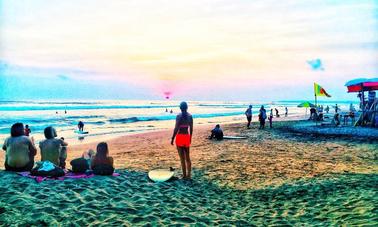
point(103, 169)
point(79, 165)
point(47, 169)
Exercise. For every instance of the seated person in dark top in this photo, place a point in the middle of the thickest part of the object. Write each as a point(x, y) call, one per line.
point(216, 133)
point(101, 163)
point(20, 150)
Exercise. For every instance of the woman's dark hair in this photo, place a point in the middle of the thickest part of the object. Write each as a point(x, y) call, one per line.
point(17, 130)
point(50, 132)
point(102, 150)
point(184, 108)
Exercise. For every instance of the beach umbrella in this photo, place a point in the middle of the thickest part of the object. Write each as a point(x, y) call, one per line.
point(306, 105)
point(362, 84)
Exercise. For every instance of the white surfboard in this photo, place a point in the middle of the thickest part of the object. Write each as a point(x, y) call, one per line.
point(160, 175)
point(81, 132)
point(234, 137)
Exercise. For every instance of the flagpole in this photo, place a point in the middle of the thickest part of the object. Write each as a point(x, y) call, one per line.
point(316, 105)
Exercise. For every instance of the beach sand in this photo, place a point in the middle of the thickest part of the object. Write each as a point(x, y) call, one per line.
point(272, 177)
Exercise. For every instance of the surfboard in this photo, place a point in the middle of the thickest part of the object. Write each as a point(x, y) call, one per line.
point(234, 137)
point(81, 132)
point(160, 175)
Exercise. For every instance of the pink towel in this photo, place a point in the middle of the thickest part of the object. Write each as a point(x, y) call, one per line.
point(69, 175)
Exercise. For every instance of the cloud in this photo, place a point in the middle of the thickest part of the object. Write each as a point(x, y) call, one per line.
point(316, 64)
point(63, 77)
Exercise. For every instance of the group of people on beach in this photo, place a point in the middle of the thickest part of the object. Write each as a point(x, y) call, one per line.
point(263, 116)
point(20, 148)
point(20, 151)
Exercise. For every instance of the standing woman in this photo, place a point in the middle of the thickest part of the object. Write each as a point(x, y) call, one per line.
point(183, 132)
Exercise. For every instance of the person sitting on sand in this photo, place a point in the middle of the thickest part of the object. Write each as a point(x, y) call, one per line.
point(313, 114)
point(183, 133)
point(88, 155)
point(20, 150)
point(82, 164)
point(248, 114)
point(286, 111)
point(102, 163)
point(262, 117)
point(216, 133)
point(51, 148)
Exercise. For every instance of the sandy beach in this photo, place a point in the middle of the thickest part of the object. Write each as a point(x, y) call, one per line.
point(274, 175)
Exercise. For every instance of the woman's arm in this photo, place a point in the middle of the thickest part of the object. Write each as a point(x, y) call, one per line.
point(63, 143)
point(111, 161)
point(191, 127)
point(5, 145)
point(176, 128)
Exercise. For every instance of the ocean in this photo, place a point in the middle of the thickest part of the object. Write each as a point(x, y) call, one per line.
point(111, 118)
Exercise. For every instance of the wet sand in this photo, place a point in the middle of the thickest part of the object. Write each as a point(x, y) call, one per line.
point(274, 177)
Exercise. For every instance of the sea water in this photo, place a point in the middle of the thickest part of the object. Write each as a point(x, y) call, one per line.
point(112, 118)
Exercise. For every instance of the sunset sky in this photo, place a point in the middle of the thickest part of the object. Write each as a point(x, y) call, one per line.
point(198, 50)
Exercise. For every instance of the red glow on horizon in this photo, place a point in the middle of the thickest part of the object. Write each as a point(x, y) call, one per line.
point(167, 94)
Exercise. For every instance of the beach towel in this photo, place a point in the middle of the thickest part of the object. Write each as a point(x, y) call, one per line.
point(68, 175)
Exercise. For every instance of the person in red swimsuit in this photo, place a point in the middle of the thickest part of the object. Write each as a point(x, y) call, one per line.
point(183, 133)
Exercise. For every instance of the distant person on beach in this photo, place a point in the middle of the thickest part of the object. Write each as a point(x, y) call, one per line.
point(336, 108)
point(277, 113)
point(216, 133)
point(19, 150)
point(65, 111)
point(313, 114)
point(51, 148)
point(166, 110)
point(271, 118)
point(102, 163)
point(336, 119)
point(171, 111)
point(183, 132)
point(248, 114)
point(286, 111)
point(27, 130)
point(351, 108)
point(80, 126)
point(327, 109)
point(262, 117)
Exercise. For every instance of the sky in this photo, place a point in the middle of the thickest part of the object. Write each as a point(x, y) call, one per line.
point(242, 50)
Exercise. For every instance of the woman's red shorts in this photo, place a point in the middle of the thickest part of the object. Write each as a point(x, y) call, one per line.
point(183, 140)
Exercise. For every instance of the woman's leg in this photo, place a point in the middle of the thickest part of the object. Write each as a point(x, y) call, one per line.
point(180, 151)
point(188, 163)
